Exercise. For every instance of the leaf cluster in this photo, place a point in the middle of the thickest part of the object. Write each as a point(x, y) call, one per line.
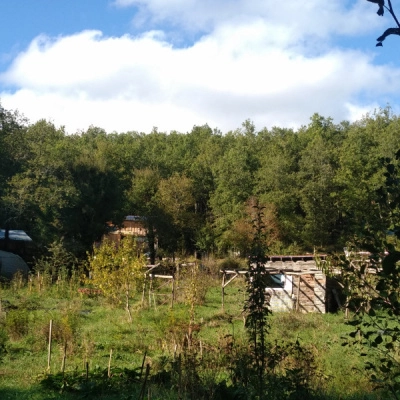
point(116, 269)
point(376, 321)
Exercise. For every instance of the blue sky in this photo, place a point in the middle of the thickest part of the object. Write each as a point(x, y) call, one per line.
point(137, 64)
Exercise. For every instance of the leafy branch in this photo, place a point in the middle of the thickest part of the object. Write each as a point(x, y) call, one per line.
point(381, 9)
point(377, 319)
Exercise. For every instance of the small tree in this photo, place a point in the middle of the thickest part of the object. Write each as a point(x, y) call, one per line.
point(256, 305)
point(117, 270)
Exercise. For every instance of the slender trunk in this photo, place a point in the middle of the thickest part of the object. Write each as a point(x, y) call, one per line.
point(151, 241)
point(127, 305)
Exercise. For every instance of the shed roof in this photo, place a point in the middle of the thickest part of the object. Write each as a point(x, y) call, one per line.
point(15, 235)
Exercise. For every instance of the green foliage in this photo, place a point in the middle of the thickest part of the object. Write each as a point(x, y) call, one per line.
point(17, 323)
point(219, 364)
point(196, 281)
point(65, 328)
point(175, 198)
point(319, 183)
point(58, 271)
point(376, 317)
point(318, 165)
point(94, 383)
point(233, 263)
point(3, 342)
point(256, 305)
point(57, 261)
point(142, 201)
point(42, 188)
point(117, 270)
point(100, 196)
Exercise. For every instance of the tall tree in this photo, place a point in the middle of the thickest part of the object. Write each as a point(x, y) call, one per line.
point(316, 176)
point(43, 187)
point(12, 128)
point(277, 181)
point(141, 200)
point(175, 198)
point(234, 182)
point(360, 175)
point(241, 234)
point(99, 188)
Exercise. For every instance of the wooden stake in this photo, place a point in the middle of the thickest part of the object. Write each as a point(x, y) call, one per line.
point(154, 301)
point(109, 364)
point(143, 390)
point(49, 348)
point(64, 359)
point(150, 289)
point(144, 288)
point(173, 292)
point(223, 291)
point(298, 295)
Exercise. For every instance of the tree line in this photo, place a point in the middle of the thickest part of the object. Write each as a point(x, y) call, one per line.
point(318, 184)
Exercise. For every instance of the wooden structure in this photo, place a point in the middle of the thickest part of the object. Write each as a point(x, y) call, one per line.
point(167, 277)
point(132, 225)
point(160, 277)
point(295, 283)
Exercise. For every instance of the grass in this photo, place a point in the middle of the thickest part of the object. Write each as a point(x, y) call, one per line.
point(92, 328)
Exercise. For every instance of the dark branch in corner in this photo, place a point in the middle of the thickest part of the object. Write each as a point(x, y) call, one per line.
point(390, 31)
point(381, 4)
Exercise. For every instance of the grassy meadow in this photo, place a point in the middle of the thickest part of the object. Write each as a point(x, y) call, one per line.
point(193, 350)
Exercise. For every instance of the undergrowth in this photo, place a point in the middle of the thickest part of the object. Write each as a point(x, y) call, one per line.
point(193, 350)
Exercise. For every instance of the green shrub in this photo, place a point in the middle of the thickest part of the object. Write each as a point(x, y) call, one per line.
point(3, 342)
point(195, 282)
point(211, 266)
point(64, 328)
point(18, 281)
point(17, 323)
point(233, 263)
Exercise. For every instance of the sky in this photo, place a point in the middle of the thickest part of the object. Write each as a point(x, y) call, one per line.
point(135, 65)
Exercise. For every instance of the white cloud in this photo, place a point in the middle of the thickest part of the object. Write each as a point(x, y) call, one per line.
point(253, 63)
point(306, 17)
point(358, 112)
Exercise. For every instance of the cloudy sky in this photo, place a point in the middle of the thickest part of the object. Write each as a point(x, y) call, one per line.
point(127, 65)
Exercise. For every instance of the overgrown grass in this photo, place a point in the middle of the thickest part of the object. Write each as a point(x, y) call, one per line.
point(89, 335)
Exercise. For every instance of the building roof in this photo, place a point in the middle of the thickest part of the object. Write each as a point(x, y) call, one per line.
point(134, 218)
point(15, 235)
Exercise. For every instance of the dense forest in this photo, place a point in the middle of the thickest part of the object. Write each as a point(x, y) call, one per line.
point(319, 183)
